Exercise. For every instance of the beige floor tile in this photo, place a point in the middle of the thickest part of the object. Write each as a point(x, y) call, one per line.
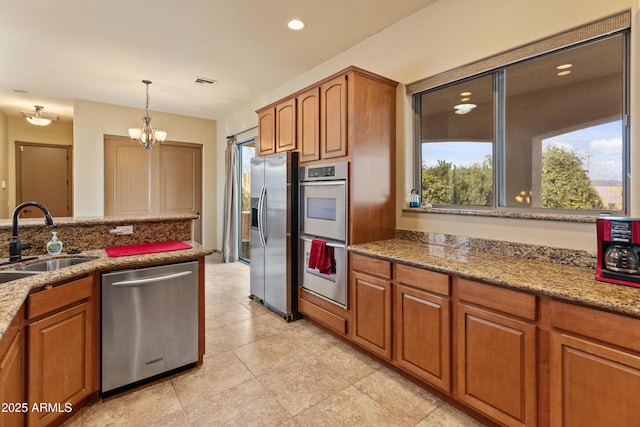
point(448, 416)
point(138, 408)
point(268, 354)
point(218, 373)
point(404, 399)
point(248, 404)
point(350, 407)
point(310, 337)
point(347, 362)
point(245, 332)
point(302, 383)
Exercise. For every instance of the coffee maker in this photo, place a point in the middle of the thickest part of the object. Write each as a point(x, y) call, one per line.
point(618, 249)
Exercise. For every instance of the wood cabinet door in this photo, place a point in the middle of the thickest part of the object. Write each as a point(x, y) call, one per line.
point(12, 383)
point(333, 118)
point(496, 365)
point(422, 334)
point(592, 384)
point(309, 125)
point(60, 361)
point(286, 125)
point(372, 313)
point(267, 132)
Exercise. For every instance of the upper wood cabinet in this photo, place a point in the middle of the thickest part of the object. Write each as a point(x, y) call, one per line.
point(333, 118)
point(267, 131)
point(308, 132)
point(286, 125)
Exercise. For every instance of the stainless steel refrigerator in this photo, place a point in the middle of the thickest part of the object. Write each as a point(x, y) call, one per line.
point(274, 232)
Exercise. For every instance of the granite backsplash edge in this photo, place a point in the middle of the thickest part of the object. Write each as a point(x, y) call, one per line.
point(561, 256)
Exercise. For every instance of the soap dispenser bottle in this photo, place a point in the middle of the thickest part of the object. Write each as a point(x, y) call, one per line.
point(54, 246)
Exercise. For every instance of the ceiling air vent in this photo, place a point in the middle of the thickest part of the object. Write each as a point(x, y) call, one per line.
point(201, 81)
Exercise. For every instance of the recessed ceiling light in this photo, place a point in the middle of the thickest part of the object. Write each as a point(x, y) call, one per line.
point(465, 94)
point(465, 99)
point(564, 73)
point(564, 66)
point(296, 24)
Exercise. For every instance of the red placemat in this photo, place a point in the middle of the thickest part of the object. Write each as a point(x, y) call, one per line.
point(146, 248)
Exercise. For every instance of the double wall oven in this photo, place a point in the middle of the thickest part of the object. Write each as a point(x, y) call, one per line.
point(323, 218)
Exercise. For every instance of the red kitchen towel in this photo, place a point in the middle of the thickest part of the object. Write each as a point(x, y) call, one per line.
point(146, 248)
point(320, 256)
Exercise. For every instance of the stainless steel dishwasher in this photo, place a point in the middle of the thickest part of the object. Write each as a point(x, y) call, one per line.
point(149, 322)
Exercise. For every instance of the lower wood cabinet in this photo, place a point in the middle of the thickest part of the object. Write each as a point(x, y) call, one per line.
point(62, 338)
point(595, 367)
point(372, 313)
point(496, 352)
point(421, 326)
point(12, 369)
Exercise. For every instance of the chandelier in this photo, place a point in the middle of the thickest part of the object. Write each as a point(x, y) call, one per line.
point(146, 135)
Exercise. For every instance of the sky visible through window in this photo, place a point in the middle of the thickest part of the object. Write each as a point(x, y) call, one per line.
point(599, 147)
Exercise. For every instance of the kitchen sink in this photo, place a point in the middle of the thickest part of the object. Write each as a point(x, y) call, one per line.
point(8, 276)
point(52, 264)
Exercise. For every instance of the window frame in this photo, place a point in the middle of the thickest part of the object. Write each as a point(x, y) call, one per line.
point(496, 66)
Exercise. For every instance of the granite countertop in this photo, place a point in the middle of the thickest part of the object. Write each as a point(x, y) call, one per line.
point(13, 294)
point(568, 283)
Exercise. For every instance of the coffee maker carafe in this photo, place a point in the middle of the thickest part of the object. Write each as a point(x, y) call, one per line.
point(618, 249)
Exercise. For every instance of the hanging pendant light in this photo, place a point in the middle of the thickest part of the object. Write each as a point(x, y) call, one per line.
point(146, 135)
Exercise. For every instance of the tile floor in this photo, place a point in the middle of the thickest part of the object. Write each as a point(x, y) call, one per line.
point(262, 371)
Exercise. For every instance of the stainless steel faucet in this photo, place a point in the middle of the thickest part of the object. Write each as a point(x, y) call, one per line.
point(15, 247)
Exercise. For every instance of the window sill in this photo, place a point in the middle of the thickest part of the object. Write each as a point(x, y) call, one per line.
point(506, 214)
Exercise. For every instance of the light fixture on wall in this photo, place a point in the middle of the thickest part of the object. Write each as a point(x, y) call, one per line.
point(146, 135)
point(38, 117)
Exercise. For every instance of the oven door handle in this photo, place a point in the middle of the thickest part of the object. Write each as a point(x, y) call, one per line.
point(155, 279)
point(330, 244)
point(323, 183)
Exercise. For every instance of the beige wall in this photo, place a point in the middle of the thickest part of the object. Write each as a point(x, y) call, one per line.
point(445, 35)
point(93, 120)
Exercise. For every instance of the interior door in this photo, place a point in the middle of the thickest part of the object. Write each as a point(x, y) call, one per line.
point(43, 174)
point(164, 180)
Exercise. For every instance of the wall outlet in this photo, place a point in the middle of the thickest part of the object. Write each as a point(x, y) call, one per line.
point(122, 230)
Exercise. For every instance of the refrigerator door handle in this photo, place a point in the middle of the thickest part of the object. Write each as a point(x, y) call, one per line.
point(261, 216)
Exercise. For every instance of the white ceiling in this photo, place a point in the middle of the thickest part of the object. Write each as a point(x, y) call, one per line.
point(101, 50)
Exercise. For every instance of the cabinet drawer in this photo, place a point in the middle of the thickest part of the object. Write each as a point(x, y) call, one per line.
point(608, 327)
point(372, 266)
point(422, 279)
point(507, 301)
point(53, 299)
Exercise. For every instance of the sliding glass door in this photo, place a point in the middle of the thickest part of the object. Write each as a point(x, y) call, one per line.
point(247, 151)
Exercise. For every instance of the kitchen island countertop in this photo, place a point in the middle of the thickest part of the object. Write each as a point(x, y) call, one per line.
point(567, 283)
point(14, 293)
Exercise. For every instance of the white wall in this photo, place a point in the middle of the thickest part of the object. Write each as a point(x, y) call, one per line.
point(92, 120)
point(446, 35)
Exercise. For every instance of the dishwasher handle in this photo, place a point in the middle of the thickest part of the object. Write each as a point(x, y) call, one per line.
point(136, 282)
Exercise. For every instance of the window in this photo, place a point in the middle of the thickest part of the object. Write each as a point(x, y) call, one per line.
point(543, 133)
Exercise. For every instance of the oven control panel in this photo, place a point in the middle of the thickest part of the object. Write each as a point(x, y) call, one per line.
point(336, 171)
point(324, 171)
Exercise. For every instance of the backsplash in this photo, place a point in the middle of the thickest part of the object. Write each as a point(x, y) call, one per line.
point(93, 233)
point(498, 247)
